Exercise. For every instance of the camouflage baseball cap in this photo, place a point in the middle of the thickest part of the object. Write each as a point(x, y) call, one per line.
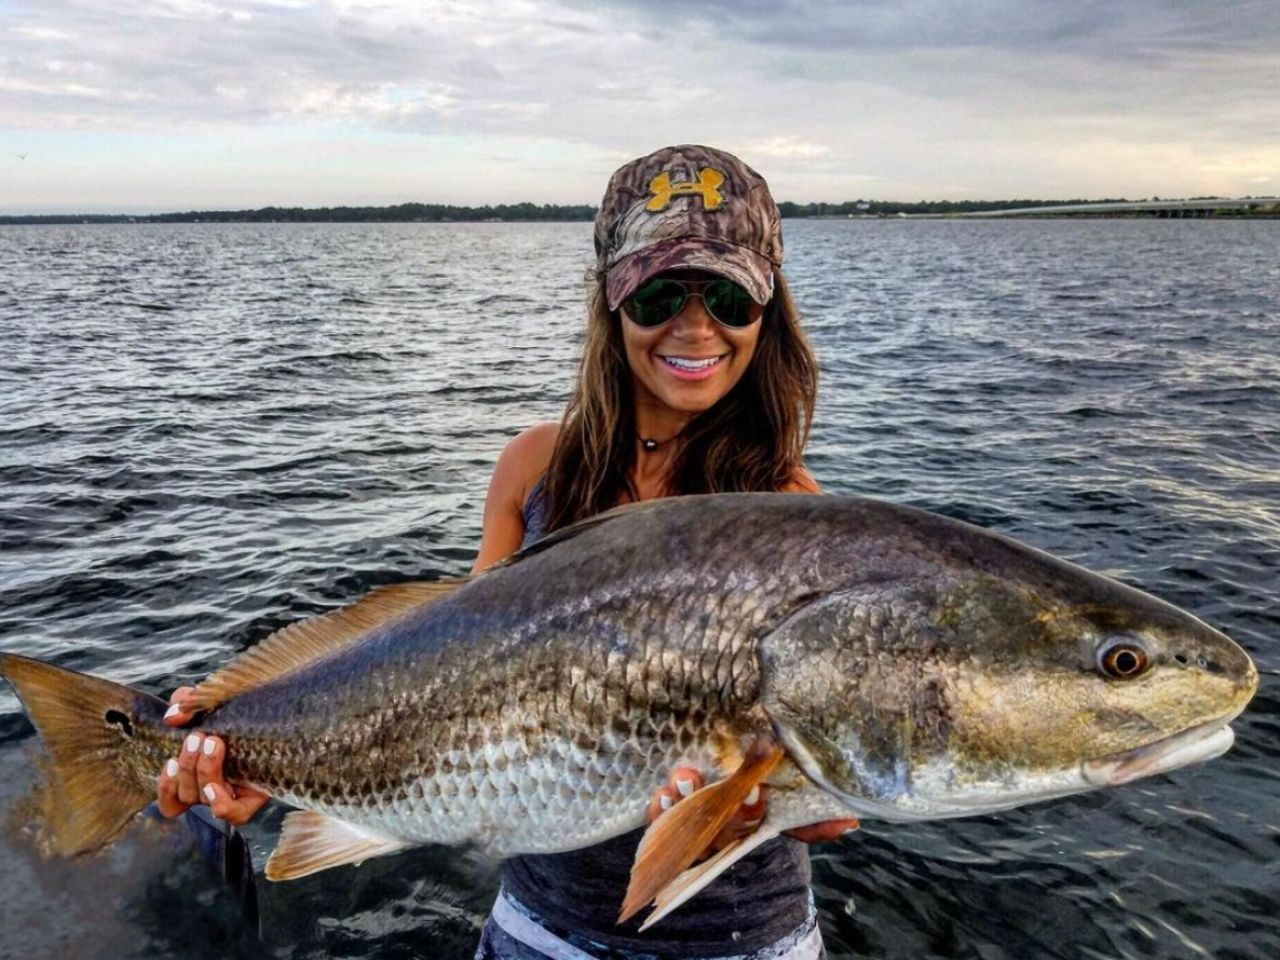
point(688, 207)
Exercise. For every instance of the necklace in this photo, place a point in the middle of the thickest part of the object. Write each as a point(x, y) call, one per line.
point(649, 444)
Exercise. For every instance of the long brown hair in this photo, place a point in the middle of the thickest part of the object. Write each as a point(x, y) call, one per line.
point(752, 439)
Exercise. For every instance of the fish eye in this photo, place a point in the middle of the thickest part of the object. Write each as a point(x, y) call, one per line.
point(1123, 659)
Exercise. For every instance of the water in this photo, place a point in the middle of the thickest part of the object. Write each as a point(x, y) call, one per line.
point(208, 431)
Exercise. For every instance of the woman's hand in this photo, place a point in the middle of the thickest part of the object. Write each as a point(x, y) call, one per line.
point(685, 780)
point(195, 775)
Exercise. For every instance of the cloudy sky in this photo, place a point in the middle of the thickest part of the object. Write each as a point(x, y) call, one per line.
point(150, 105)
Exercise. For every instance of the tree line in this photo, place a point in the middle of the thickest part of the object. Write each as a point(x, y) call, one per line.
point(448, 213)
point(399, 213)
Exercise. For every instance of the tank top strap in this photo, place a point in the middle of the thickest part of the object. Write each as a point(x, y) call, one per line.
point(534, 512)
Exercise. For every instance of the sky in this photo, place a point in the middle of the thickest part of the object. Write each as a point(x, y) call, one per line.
point(155, 105)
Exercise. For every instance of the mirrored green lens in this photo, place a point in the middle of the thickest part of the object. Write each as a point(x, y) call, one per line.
point(656, 302)
point(728, 303)
point(662, 298)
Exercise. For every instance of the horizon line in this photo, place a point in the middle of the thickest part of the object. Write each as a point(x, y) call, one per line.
point(577, 211)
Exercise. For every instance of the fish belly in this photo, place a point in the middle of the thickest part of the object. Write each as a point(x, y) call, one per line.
point(510, 800)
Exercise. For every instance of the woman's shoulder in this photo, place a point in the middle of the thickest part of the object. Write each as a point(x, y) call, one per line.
point(800, 481)
point(530, 450)
point(524, 459)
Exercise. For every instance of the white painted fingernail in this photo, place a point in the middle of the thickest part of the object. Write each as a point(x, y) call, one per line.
point(209, 793)
point(209, 747)
point(685, 787)
point(752, 824)
point(171, 769)
point(664, 801)
point(752, 797)
point(173, 711)
point(849, 832)
point(193, 743)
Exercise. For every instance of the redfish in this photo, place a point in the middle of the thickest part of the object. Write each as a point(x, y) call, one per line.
point(862, 659)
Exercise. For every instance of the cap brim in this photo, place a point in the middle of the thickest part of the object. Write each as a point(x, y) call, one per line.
point(751, 270)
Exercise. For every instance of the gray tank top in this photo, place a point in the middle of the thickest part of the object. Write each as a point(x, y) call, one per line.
point(755, 903)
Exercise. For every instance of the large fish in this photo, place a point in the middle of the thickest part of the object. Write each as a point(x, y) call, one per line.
point(860, 658)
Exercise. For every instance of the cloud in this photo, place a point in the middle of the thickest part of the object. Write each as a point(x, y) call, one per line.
point(787, 147)
point(520, 67)
point(188, 63)
point(993, 96)
point(1103, 27)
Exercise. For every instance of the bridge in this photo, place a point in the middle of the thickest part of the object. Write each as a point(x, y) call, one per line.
point(1157, 208)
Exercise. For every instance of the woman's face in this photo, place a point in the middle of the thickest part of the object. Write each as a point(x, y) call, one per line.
point(690, 362)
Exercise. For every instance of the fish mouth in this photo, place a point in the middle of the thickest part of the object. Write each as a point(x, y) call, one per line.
point(1199, 743)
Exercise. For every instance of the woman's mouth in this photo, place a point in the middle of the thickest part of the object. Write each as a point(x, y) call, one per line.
point(691, 368)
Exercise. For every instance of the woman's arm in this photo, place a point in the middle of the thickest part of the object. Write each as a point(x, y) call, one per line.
point(519, 466)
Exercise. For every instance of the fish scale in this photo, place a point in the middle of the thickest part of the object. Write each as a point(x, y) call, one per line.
point(547, 701)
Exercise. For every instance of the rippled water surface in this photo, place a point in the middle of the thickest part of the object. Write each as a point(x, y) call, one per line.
point(208, 431)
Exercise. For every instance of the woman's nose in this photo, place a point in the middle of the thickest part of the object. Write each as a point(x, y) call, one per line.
point(693, 321)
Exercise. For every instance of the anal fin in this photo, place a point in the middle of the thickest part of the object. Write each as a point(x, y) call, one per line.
point(311, 842)
point(680, 835)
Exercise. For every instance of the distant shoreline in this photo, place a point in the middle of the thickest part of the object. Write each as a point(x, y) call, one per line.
point(556, 213)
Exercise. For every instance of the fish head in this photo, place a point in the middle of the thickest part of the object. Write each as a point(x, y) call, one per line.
point(953, 688)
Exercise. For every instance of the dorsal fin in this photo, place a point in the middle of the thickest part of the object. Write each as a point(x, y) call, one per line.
point(573, 529)
point(301, 643)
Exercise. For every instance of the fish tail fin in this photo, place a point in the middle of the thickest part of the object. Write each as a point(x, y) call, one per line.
point(106, 743)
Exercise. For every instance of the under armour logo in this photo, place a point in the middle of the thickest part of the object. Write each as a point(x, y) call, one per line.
point(707, 186)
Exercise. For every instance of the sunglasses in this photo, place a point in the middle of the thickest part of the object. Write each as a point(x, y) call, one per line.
point(662, 298)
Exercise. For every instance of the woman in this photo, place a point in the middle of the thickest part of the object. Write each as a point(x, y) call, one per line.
point(695, 378)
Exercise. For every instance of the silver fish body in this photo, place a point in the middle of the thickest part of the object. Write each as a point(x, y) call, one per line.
point(913, 666)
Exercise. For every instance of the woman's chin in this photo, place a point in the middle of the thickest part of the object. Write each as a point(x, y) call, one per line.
point(690, 398)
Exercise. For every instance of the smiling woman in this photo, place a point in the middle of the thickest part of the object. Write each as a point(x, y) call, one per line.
point(695, 375)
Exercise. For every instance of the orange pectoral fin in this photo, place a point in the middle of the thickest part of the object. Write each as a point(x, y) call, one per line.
point(683, 833)
point(697, 878)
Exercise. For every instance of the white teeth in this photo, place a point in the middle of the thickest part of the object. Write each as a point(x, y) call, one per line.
point(684, 364)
